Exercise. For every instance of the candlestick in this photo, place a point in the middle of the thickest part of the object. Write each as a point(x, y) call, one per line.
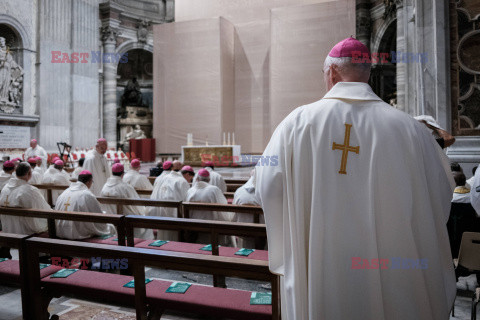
point(224, 141)
point(233, 138)
point(228, 139)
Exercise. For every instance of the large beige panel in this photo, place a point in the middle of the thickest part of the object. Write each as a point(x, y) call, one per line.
point(189, 83)
point(301, 39)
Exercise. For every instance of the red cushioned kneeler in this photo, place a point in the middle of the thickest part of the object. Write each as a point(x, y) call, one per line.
point(10, 271)
point(218, 302)
point(195, 248)
point(110, 240)
point(94, 285)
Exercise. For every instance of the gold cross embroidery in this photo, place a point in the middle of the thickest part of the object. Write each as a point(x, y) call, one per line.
point(346, 148)
point(6, 203)
point(67, 204)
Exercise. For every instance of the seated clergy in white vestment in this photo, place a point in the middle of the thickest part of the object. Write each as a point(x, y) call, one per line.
point(245, 195)
point(20, 194)
point(356, 205)
point(7, 173)
point(203, 191)
point(37, 177)
point(39, 166)
point(97, 164)
point(188, 173)
point(78, 169)
point(55, 176)
point(461, 194)
point(117, 188)
point(135, 179)
point(36, 151)
point(216, 178)
point(79, 198)
point(174, 188)
point(167, 169)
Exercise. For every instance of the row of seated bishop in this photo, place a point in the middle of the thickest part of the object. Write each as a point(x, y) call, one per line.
point(149, 300)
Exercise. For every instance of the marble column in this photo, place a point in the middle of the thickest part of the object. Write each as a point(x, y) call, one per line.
point(401, 47)
point(109, 38)
point(363, 21)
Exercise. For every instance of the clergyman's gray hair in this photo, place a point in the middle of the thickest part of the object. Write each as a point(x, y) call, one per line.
point(345, 63)
point(204, 179)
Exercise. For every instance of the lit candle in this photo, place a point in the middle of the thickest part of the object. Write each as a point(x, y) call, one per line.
point(233, 138)
point(228, 138)
point(224, 141)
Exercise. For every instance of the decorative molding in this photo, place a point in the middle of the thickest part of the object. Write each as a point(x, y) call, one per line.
point(109, 34)
point(377, 11)
point(18, 119)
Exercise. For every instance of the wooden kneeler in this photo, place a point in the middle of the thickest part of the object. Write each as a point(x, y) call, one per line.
point(139, 258)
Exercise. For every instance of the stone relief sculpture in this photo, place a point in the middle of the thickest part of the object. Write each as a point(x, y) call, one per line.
point(142, 31)
point(11, 80)
point(132, 96)
point(136, 133)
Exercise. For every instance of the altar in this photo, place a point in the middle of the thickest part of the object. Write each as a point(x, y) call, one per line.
point(220, 155)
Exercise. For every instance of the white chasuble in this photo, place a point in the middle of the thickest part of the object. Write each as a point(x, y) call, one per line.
point(97, 164)
point(174, 188)
point(358, 181)
point(116, 188)
point(18, 193)
point(78, 198)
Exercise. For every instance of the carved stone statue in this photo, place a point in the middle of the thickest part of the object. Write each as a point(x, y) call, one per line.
point(11, 80)
point(137, 133)
point(142, 31)
point(132, 96)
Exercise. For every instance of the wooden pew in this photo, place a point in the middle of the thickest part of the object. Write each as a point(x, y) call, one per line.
point(50, 187)
point(233, 187)
point(236, 181)
point(255, 210)
point(52, 215)
point(12, 271)
point(119, 203)
point(83, 283)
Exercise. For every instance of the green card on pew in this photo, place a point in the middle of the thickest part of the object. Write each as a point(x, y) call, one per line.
point(131, 284)
point(158, 243)
point(104, 237)
point(208, 247)
point(3, 259)
point(244, 252)
point(44, 265)
point(116, 239)
point(64, 273)
point(261, 298)
point(178, 287)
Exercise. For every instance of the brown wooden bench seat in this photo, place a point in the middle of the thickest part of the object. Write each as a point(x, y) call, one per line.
point(10, 271)
point(195, 248)
point(203, 300)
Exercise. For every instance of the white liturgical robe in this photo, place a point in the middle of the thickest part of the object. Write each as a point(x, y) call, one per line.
point(37, 152)
point(137, 180)
point(79, 198)
point(18, 193)
point(216, 179)
point(76, 172)
point(461, 195)
point(97, 164)
point(117, 188)
point(245, 195)
point(173, 188)
point(37, 177)
point(39, 170)
point(4, 178)
point(159, 180)
point(475, 192)
point(358, 181)
point(55, 177)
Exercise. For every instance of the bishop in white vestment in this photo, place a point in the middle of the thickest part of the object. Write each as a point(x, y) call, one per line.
point(18, 193)
point(117, 188)
point(97, 164)
point(79, 198)
point(7, 173)
point(203, 191)
point(216, 179)
point(173, 188)
point(36, 151)
point(37, 177)
point(356, 209)
point(54, 176)
point(135, 179)
point(167, 169)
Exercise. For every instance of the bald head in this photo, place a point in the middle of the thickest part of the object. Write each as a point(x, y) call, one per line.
point(177, 165)
point(101, 146)
point(344, 70)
